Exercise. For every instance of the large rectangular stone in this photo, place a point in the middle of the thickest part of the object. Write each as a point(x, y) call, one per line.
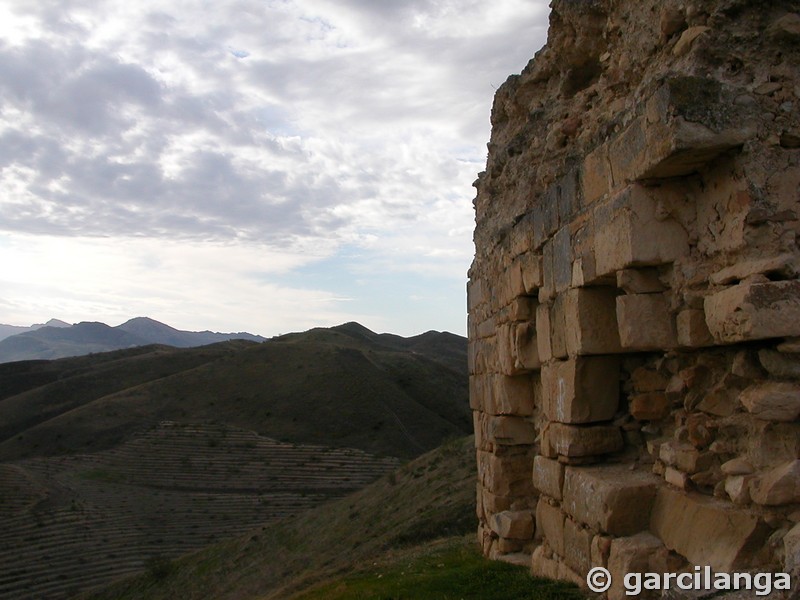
point(577, 547)
point(591, 321)
point(629, 232)
point(689, 122)
point(510, 396)
point(584, 389)
point(596, 177)
point(645, 322)
point(531, 272)
point(558, 326)
point(505, 475)
point(611, 499)
point(754, 311)
point(543, 344)
point(550, 525)
point(562, 259)
point(707, 531)
point(548, 476)
point(580, 441)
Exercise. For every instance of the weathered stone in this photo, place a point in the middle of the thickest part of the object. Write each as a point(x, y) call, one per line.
point(737, 466)
point(791, 550)
point(505, 475)
point(577, 547)
point(780, 485)
point(550, 523)
point(738, 488)
point(591, 321)
point(517, 349)
point(531, 266)
point(611, 499)
point(780, 364)
point(581, 390)
point(772, 401)
point(510, 396)
point(543, 345)
point(492, 503)
point(651, 406)
point(648, 380)
point(562, 260)
point(692, 329)
point(645, 322)
point(558, 330)
point(685, 457)
point(631, 555)
point(784, 266)
point(548, 476)
point(579, 441)
point(677, 478)
point(510, 431)
point(513, 524)
point(639, 281)
point(706, 531)
point(629, 234)
point(543, 566)
point(752, 311)
point(597, 180)
point(687, 38)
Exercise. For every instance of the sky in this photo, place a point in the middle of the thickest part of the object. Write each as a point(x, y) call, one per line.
point(248, 165)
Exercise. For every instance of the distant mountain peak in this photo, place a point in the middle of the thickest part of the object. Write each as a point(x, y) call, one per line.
point(57, 323)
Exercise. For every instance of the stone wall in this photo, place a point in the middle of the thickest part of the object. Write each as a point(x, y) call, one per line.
point(634, 302)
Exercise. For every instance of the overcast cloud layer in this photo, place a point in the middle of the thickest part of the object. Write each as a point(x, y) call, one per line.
point(247, 164)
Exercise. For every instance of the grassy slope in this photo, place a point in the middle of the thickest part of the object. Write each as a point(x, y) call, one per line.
point(325, 386)
point(428, 498)
point(401, 537)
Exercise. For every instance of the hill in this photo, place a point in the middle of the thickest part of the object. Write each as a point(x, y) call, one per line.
point(109, 459)
point(323, 386)
point(9, 330)
point(56, 339)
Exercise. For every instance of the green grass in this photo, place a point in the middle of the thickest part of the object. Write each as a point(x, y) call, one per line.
point(454, 570)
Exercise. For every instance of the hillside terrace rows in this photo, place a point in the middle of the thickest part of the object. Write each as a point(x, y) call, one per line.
point(166, 492)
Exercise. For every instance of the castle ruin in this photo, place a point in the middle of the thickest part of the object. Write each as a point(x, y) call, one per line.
point(634, 302)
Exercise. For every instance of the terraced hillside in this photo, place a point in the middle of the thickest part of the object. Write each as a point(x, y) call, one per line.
point(73, 522)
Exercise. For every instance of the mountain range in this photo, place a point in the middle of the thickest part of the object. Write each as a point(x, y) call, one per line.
point(57, 339)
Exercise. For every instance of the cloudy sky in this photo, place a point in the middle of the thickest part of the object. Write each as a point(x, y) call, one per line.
point(259, 165)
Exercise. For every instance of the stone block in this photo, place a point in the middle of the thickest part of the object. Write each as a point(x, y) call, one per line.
point(631, 555)
point(492, 503)
point(791, 550)
point(648, 380)
point(510, 431)
point(548, 289)
point(707, 531)
point(577, 547)
point(685, 457)
point(596, 177)
point(753, 311)
point(688, 124)
point(650, 406)
point(558, 326)
point(581, 441)
point(677, 478)
point(629, 232)
point(543, 333)
point(781, 364)
point(475, 294)
point(584, 389)
point(531, 272)
point(591, 321)
point(548, 476)
point(738, 488)
point(522, 308)
point(543, 566)
point(692, 329)
point(610, 499)
point(639, 281)
point(505, 475)
point(510, 396)
point(645, 322)
point(772, 400)
point(783, 266)
point(780, 485)
point(562, 259)
point(569, 196)
point(550, 524)
point(513, 524)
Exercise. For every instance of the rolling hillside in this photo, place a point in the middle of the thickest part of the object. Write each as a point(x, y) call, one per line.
point(111, 459)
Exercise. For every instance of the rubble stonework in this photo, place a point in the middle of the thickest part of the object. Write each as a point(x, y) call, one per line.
point(634, 302)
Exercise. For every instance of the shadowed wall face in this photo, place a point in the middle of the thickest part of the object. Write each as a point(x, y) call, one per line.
point(634, 302)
